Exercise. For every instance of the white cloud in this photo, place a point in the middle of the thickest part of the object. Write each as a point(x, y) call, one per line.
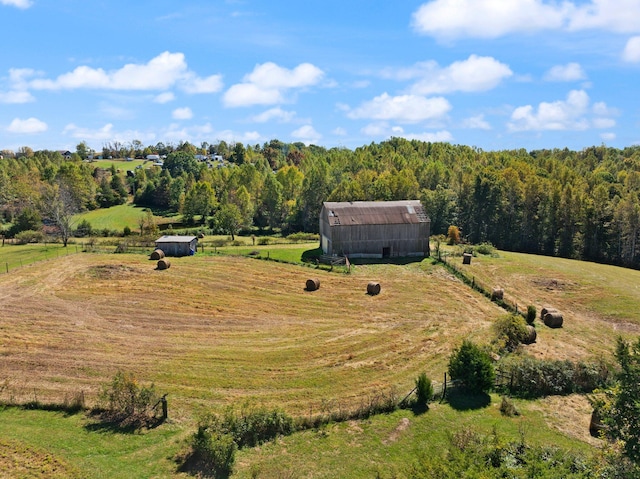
point(450, 19)
point(211, 84)
point(274, 114)
point(608, 136)
point(471, 75)
point(570, 114)
point(565, 73)
point(619, 16)
point(632, 50)
point(476, 123)
point(17, 3)
point(339, 131)
point(30, 125)
point(404, 108)
point(434, 137)
point(307, 134)
point(160, 73)
point(106, 133)
point(16, 96)
point(182, 113)
point(164, 97)
point(268, 82)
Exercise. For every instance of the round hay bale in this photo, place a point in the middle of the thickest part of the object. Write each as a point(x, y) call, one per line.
point(157, 254)
point(164, 263)
point(466, 258)
point(553, 319)
point(313, 284)
point(545, 310)
point(497, 294)
point(200, 235)
point(531, 335)
point(373, 288)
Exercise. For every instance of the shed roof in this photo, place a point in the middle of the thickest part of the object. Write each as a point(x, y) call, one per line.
point(175, 239)
point(375, 212)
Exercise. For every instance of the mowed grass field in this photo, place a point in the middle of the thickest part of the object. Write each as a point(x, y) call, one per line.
point(217, 330)
point(117, 217)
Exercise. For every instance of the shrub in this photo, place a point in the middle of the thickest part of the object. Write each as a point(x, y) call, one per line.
point(532, 378)
point(511, 330)
point(302, 236)
point(264, 241)
point(472, 366)
point(531, 314)
point(84, 229)
point(29, 236)
point(453, 235)
point(212, 450)
point(126, 231)
point(424, 389)
point(255, 426)
point(126, 402)
point(485, 248)
point(507, 408)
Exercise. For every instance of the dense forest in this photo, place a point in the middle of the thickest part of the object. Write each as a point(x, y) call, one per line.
point(576, 204)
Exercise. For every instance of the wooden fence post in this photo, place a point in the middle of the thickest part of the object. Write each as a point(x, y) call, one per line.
point(444, 388)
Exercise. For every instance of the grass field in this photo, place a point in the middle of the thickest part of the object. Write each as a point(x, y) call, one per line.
point(16, 256)
point(120, 164)
point(116, 218)
point(218, 330)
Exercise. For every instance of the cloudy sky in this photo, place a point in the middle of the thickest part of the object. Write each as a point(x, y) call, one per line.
point(494, 74)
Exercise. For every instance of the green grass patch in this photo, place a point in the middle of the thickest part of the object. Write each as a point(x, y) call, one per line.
point(117, 217)
point(121, 164)
point(59, 445)
point(14, 256)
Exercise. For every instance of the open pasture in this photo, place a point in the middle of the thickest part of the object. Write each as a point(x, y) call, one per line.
point(215, 330)
point(598, 302)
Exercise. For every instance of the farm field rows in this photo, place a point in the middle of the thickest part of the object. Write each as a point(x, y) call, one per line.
point(219, 330)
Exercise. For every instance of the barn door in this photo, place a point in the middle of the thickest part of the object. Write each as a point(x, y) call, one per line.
point(386, 252)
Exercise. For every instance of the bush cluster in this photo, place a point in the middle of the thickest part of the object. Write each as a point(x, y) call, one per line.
point(532, 378)
point(511, 331)
point(472, 366)
point(126, 402)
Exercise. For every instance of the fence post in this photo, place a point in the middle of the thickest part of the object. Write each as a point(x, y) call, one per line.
point(444, 388)
point(7, 265)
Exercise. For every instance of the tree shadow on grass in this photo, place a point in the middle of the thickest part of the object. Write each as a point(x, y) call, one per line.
point(106, 422)
point(465, 400)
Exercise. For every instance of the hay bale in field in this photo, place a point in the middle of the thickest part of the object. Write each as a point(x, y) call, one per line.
point(466, 258)
point(497, 294)
point(545, 310)
point(157, 254)
point(553, 319)
point(373, 288)
point(531, 335)
point(164, 263)
point(313, 284)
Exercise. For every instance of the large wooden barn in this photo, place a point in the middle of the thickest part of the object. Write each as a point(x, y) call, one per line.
point(374, 229)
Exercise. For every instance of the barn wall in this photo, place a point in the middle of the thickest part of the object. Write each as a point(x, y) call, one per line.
point(177, 249)
point(370, 240)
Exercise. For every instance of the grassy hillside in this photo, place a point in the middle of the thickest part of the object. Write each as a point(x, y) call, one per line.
point(117, 217)
point(217, 330)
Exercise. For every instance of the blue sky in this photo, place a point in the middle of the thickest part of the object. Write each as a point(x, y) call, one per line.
point(495, 74)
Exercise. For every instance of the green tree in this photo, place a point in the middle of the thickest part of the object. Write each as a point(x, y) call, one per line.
point(229, 219)
point(472, 366)
point(199, 200)
point(179, 162)
point(623, 417)
point(271, 201)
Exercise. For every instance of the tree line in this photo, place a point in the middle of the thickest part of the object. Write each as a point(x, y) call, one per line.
point(575, 204)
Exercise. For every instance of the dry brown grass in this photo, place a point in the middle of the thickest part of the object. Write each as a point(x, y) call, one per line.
point(214, 330)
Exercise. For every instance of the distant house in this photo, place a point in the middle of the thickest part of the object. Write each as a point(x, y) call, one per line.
point(374, 229)
point(65, 153)
point(177, 245)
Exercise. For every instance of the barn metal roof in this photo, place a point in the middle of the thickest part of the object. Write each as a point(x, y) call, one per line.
point(175, 239)
point(375, 212)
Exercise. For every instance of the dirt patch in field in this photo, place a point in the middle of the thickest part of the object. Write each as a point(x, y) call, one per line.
point(400, 428)
point(112, 271)
point(553, 284)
